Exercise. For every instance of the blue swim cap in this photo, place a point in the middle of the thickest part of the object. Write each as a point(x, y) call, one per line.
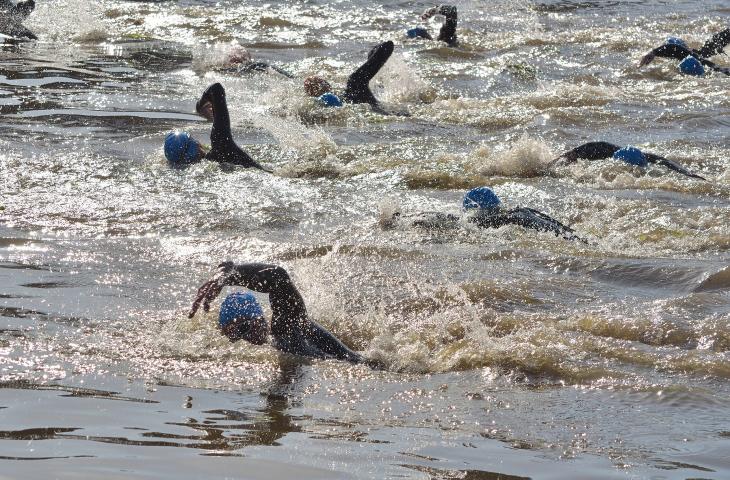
point(180, 147)
point(481, 198)
point(676, 41)
point(239, 305)
point(631, 155)
point(330, 100)
point(417, 32)
point(692, 66)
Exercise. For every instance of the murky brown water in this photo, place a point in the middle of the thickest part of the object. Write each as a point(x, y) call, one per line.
point(509, 354)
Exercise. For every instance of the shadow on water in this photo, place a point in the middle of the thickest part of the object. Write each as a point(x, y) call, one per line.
point(71, 391)
point(221, 431)
point(438, 474)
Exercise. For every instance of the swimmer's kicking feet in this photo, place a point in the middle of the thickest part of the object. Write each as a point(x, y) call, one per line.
point(291, 329)
point(629, 154)
point(358, 84)
point(182, 149)
point(483, 209)
point(11, 16)
point(448, 29)
point(693, 61)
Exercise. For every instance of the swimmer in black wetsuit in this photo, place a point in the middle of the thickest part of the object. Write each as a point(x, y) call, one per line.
point(448, 29)
point(11, 16)
point(358, 84)
point(182, 149)
point(630, 155)
point(484, 211)
point(239, 61)
point(291, 329)
point(677, 49)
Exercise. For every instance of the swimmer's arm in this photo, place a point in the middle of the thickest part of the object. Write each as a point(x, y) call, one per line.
point(588, 151)
point(448, 29)
point(326, 342)
point(448, 11)
point(20, 10)
point(651, 158)
point(667, 50)
point(223, 149)
point(287, 306)
point(536, 220)
point(715, 45)
point(377, 57)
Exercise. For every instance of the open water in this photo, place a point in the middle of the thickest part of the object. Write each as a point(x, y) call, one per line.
point(508, 353)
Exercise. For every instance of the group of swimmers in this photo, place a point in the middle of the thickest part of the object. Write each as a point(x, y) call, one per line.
point(291, 330)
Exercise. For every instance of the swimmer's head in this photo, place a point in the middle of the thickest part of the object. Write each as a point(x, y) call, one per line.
point(692, 66)
point(315, 86)
point(481, 198)
point(181, 148)
point(676, 41)
point(631, 155)
point(241, 317)
point(329, 99)
point(238, 54)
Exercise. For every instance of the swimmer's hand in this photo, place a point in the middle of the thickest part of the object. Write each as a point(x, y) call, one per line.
point(430, 13)
point(647, 59)
point(205, 109)
point(211, 289)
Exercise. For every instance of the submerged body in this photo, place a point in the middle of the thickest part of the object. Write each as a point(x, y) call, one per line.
point(484, 211)
point(604, 150)
point(678, 50)
point(524, 217)
point(291, 329)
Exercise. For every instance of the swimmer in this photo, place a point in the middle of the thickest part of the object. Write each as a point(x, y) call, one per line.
point(448, 29)
point(358, 84)
point(629, 154)
point(483, 209)
point(11, 16)
point(239, 61)
point(291, 329)
point(693, 61)
point(182, 149)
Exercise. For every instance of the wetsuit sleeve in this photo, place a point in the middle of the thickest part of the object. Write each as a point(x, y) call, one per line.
point(435, 221)
point(651, 158)
point(590, 151)
point(535, 220)
point(20, 10)
point(358, 88)
point(715, 45)
point(448, 29)
point(670, 50)
point(251, 67)
point(223, 148)
point(289, 319)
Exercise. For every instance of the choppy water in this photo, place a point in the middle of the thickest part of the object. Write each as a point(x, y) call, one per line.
point(507, 351)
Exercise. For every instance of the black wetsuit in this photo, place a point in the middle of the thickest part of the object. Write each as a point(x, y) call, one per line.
point(291, 328)
point(11, 16)
point(448, 29)
point(712, 47)
point(603, 150)
point(255, 67)
point(358, 84)
point(223, 148)
point(524, 217)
